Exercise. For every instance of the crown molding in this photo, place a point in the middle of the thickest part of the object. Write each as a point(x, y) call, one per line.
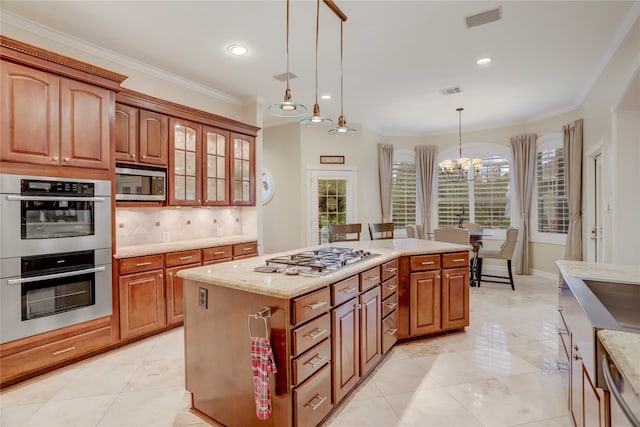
point(109, 55)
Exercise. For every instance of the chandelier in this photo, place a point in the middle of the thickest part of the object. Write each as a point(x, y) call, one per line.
point(462, 168)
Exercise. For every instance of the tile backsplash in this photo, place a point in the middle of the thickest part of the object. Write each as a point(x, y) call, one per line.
point(157, 225)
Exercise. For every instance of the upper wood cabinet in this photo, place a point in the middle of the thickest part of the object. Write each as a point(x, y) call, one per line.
point(141, 136)
point(185, 172)
point(243, 170)
point(52, 120)
point(215, 166)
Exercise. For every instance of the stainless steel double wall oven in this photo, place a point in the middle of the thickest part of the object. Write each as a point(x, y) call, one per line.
point(55, 253)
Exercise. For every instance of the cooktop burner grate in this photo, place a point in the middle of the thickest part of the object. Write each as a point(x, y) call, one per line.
point(320, 260)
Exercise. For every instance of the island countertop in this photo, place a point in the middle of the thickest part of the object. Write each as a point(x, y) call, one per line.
point(240, 274)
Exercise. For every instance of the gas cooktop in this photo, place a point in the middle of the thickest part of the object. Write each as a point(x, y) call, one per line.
point(315, 262)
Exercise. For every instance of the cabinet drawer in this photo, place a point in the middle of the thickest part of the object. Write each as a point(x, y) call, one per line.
point(425, 262)
point(457, 259)
point(389, 269)
point(389, 305)
point(369, 278)
point(140, 264)
point(220, 253)
point(389, 287)
point(312, 400)
point(311, 361)
point(344, 290)
point(389, 331)
point(245, 249)
point(185, 257)
point(309, 306)
point(312, 333)
point(50, 354)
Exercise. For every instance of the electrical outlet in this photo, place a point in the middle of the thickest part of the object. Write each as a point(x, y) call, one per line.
point(203, 297)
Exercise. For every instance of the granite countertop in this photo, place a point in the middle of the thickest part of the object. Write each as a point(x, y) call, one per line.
point(180, 245)
point(240, 275)
point(592, 270)
point(624, 349)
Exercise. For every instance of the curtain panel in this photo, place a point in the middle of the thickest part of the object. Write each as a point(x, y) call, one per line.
point(523, 148)
point(426, 156)
point(573, 183)
point(385, 170)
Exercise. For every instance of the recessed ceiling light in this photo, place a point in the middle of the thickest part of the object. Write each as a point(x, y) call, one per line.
point(238, 50)
point(325, 97)
point(484, 61)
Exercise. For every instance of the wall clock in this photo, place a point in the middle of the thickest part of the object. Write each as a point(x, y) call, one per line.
point(268, 186)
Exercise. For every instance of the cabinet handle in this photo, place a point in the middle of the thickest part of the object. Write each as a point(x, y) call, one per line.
point(219, 253)
point(459, 260)
point(373, 279)
point(575, 347)
point(247, 249)
point(55, 353)
point(577, 357)
point(391, 270)
point(391, 305)
point(144, 156)
point(316, 305)
point(560, 307)
point(160, 276)
point(320, 401)
point(55, 158)
point(348, 290)
point(314, 334)
point(428, 262)
point(391, 331)
point(186, 257)
point(142, 264)
point(562, 331)
point(391, 287)
point(559, 285)
point(171, 274)
point(66, 159)
point(438, 277)
point(132, 155)
point(318, 362)
point(446, 276)
point(562, 365)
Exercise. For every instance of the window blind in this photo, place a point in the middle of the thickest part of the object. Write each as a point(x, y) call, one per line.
point(403, 194)
point(553, 211)
point(491, 193)
point(453, 199)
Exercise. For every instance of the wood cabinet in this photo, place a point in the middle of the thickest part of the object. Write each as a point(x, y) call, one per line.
point(174, 262)
point(242, 170)
point(425, 289)
point(455, 298)
point(141, 136)
point(217, 254)
point(245, 250)
point(215, 166)
point(185, 172)
point(389, 296)
point(52, 120)
point(345, 333)
point(370, 325)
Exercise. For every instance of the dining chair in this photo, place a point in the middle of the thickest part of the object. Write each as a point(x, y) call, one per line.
point(505, 252)
point(379, 231)
point(451, 235)
point(473, 227)
point(344, 232)
point(415, 231)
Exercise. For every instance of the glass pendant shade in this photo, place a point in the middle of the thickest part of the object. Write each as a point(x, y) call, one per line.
point(342, 129)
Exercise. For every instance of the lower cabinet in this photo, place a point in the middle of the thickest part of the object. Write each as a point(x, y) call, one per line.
point(141, 303)
point(312, 400)
point(455, 298)
point(424, 291)
point(175, 308)
point(345, 321)
point(370, 341)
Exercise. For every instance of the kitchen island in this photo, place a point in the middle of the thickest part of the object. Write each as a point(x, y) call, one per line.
point(327, 330)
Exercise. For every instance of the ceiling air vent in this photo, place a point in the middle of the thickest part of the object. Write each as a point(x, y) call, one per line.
point(484, 17)
point(283, 77)
point(450, 90)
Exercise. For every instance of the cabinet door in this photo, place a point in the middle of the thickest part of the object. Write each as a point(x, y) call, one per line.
point(215, 167)
point(126, 133)
point(184, 169)
point(575, 384)
point(174, 306)
point(370, 325)
point(455, 298)
point(85, 126)
point(141, 303)
point(345, 335)
point(29, 116)
point(242, 170)
point(593, 402)
point(153, 142)
point(424, 303)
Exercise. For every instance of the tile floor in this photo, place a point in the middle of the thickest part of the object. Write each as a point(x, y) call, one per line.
point(500, 372)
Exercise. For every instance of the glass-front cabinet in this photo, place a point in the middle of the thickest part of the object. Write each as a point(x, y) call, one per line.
point(216, 167)
point(184, 169)
point(243, 170)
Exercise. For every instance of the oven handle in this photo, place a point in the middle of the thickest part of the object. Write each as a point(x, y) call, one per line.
point(608, 378)
point(56, 275)
point(55, 199)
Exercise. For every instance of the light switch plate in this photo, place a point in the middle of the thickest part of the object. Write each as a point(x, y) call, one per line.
point(203, 297)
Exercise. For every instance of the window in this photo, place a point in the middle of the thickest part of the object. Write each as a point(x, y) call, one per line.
point(403, 194)
point(485, 200)
point(551, 201)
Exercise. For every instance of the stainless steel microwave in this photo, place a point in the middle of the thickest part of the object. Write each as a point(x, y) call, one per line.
point(141, 184)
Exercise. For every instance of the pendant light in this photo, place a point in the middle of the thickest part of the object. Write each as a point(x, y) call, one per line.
point(342, 128)
point(287, 108)
point(462, 168)
point(316, 119)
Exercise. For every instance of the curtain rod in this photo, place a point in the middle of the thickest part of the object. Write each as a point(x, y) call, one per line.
point(335, 9)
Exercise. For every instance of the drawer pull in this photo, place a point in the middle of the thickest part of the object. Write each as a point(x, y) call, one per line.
point(562, 331)
point(55, 353)
point(373, 278)
point(428, 262)
point(391, 287)
point(319, 360)
point(316, 333)
point(219, 253)
point(186, 257)
point(459, 260)
point(391, 331)
point(349, 290)
point(391, 305)
point(142, 264)
point(562, 365)
point(247, 249)
point(391, 270)
point(560, 307)
point(171, 274)
point(316, 305)
point(577, 357)
point(319, 401)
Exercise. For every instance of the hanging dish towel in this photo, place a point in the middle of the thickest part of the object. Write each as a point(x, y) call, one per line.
point(263, 366)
